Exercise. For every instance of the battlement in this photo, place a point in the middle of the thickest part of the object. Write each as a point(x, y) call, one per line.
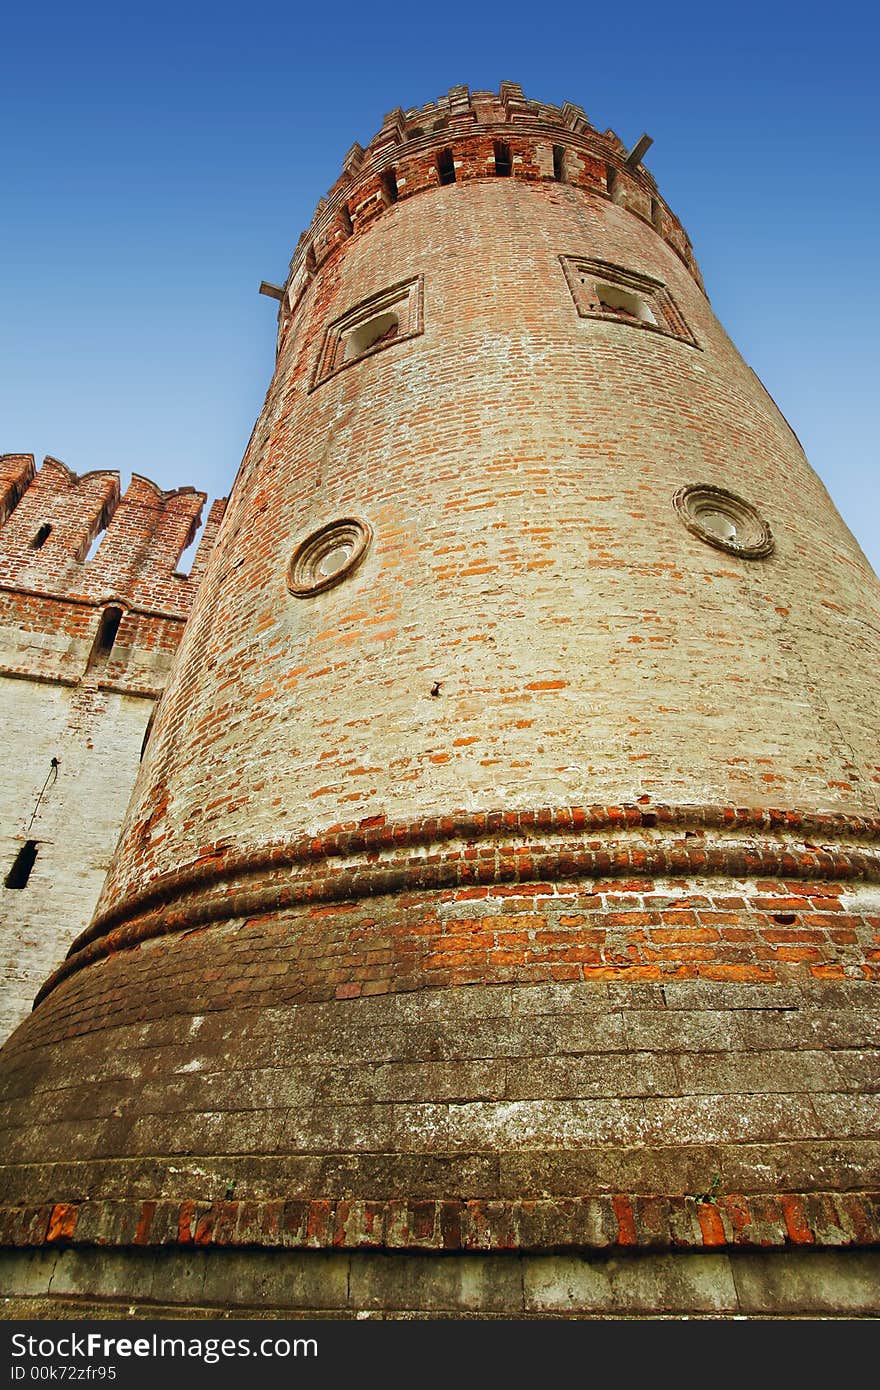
point(57, 588)
point(474, 135)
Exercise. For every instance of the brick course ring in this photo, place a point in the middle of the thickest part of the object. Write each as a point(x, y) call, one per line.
point(608, 1221)
point(554, 846)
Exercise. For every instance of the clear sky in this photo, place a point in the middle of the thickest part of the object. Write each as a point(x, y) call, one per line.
point(158, 160)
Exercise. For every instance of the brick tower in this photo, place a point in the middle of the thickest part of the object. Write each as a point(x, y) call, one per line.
point(495, 917)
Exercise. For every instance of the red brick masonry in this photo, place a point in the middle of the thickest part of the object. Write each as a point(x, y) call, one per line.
point(619, 928)
point(765, 1221)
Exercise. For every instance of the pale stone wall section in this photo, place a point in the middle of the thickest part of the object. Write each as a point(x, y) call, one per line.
point(96, 735)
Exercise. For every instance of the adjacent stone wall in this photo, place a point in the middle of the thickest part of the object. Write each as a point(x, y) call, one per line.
point(95, 737)
point(74, 718)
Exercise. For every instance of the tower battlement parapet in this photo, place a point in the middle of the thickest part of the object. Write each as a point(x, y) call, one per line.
point(56, 592)
point(476, 135)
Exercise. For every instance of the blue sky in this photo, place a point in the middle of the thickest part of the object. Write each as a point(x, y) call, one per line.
point(158, 161)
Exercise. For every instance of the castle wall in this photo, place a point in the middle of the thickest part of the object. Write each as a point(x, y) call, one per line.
point(74, 715)
point(96, 737)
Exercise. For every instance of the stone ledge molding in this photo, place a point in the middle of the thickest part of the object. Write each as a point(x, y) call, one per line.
point(637, 841)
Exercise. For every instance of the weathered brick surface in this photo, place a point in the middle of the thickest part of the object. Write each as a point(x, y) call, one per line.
point(518, 892)
point(517, 465)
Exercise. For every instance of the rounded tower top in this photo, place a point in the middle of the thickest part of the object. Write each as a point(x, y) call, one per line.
point(467, 135)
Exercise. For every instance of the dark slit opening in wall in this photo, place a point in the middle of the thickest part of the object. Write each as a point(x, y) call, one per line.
point(105, 637)
point(389, 183)
point(446, 166)
point(558, 157)
point(502, 159)
point(21, 870)
point(610, 180)
point(148, 730)
point(42, 536)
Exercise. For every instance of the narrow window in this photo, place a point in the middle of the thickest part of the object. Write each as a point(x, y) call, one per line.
point(94, 543)
point(614, 299)
point(610, 180)
point(148, 730)
point(655, 214)
point(446, 166)
point(558, 169)
point(106, 636)
point(41, 537)
point(345, 219)
point(381, 329)
point(502, 159)
point(21, 870)
point(389, 183)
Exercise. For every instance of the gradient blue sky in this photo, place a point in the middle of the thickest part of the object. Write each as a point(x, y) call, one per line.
point(158, 161)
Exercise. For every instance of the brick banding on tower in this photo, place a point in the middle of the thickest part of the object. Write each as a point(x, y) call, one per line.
point(350, 865)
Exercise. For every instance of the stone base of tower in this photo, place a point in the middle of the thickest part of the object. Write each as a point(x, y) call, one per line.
point(628, 1097)
point(619, 1283)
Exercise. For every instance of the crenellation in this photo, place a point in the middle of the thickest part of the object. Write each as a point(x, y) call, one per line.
point(207, 540)
point(45, 538)
point(368, 202)
point(353, 160)
point(334, 233)
point(626, 192)
point(575, 118)
point(469, 123)
point(392, 132)
point(156, 527)
point(16, 475)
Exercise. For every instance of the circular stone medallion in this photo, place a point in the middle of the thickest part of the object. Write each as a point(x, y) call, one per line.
point(327, 556)
point(724, 520)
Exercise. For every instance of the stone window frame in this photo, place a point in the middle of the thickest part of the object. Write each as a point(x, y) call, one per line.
point(670, 321)
point(405, 297)
point(753, 538)
point(304, 575)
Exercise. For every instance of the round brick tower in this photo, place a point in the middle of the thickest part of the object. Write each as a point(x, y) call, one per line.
point(491, 929)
